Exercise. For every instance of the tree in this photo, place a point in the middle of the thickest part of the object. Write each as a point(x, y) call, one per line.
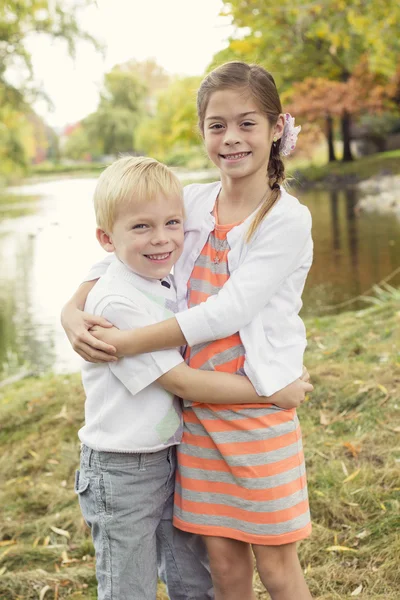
point(111, 128)
point(172, 131)
point(319, 98)
point(18, 20)
point(324, 38)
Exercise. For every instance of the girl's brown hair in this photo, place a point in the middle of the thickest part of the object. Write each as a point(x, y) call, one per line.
point(261, 85)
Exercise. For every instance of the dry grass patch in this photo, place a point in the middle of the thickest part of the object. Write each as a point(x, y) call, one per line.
point(351, 427)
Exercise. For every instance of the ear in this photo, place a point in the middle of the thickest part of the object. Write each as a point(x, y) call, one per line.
point(105, 240)
point(278, 129)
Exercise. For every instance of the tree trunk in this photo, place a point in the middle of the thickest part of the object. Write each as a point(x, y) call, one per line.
point(346, 136)
point(329, 136)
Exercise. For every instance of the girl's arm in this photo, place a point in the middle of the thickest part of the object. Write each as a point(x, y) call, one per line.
point(77, 323)
point(216, 387)
point(283, 245)
point(167, 367)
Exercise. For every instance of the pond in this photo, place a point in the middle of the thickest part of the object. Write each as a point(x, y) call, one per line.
point(47, 244)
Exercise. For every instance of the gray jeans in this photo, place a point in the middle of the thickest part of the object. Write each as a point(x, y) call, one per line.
point(127, 501)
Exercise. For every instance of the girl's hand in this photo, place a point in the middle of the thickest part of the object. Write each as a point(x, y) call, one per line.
point(293, 394)
point(110, 336)
point(77, 325)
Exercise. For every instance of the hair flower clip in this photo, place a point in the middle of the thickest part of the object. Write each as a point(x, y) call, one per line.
point(289, 137)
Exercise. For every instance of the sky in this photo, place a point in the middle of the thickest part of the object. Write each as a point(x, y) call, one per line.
point(181, 35)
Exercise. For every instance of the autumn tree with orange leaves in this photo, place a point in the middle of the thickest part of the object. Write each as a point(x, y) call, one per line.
point(324, 39)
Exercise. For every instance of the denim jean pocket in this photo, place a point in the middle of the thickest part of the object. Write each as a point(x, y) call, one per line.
point(81, 484)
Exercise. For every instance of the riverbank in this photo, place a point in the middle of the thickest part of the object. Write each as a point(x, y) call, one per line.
point(332, 175)
point(338, 174)
point(351, 426)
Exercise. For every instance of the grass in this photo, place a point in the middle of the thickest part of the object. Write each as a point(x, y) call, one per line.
point(334, 173)
point(351, 427)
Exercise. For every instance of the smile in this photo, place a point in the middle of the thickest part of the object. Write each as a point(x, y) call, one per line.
point(236, 156)
point(158, 257)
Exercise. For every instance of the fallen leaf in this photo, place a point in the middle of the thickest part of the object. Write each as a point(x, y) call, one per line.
point(8, 543)
point(61, 532)
point(383, 507)
point(382, 388)
point(44, 591)
point(324, 418)
point(363, 534)
point(3, 554)
point(33, 453)
point(53, 461)
point(357, 591)
point(344, 469)
point(353, 449)
point(352, 476)
point(36, 542)
point(46, 541)
point(3, 570)
point(340, 549)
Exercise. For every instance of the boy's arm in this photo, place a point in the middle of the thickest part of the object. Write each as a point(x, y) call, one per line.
point(216, 387)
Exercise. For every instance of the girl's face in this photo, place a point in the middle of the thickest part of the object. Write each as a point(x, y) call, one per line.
point(237, 135)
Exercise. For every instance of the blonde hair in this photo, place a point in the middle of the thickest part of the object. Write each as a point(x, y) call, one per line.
point(131, 179)
point(261, 85)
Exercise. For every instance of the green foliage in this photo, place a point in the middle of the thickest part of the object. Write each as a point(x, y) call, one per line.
point(172, 130)
point(297, 39)
point(324, 39)
point(18, 20)
point(111, 128)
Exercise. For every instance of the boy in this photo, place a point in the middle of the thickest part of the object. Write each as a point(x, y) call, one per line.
point(132, 419)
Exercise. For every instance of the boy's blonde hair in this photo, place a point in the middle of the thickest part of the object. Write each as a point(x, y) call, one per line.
point(131, 179)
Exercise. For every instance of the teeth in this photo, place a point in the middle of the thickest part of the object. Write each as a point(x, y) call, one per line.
point(240, 155)
point(158, 256)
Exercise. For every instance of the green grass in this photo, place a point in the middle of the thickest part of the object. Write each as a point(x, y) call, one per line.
point(350, 424)
point(335, 173)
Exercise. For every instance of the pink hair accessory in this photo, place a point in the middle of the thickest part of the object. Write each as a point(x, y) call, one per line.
point(289, 136)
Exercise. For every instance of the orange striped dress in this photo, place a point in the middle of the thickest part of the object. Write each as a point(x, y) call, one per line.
point(241, 471)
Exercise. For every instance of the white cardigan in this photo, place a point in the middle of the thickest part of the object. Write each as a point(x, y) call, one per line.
point(262, 298)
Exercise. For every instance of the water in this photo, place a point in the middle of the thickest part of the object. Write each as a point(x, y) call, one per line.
point(47, 244)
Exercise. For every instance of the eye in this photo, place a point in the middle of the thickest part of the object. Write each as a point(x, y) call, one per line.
point(216, 126)
point(174, 222)
point(140, 226)
point(247, 124)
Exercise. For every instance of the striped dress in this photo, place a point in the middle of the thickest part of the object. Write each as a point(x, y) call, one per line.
point(241, 471)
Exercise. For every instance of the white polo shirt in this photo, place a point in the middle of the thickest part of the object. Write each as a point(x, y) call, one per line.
point(126, 410)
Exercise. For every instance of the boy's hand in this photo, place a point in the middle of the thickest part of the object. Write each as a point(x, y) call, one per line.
point(77, 324)
point(293, 394)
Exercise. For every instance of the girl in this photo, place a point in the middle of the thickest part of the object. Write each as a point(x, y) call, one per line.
point(241, 477)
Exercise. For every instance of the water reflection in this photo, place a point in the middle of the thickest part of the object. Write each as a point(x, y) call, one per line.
point(352, 251)
point(47, 244)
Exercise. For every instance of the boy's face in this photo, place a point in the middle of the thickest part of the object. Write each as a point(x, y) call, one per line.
point(147, 236)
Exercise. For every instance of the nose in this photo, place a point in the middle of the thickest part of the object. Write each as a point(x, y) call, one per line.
point(231, 137)
point(160, 237)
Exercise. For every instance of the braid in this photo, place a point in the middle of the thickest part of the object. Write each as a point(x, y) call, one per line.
point(276, 176)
